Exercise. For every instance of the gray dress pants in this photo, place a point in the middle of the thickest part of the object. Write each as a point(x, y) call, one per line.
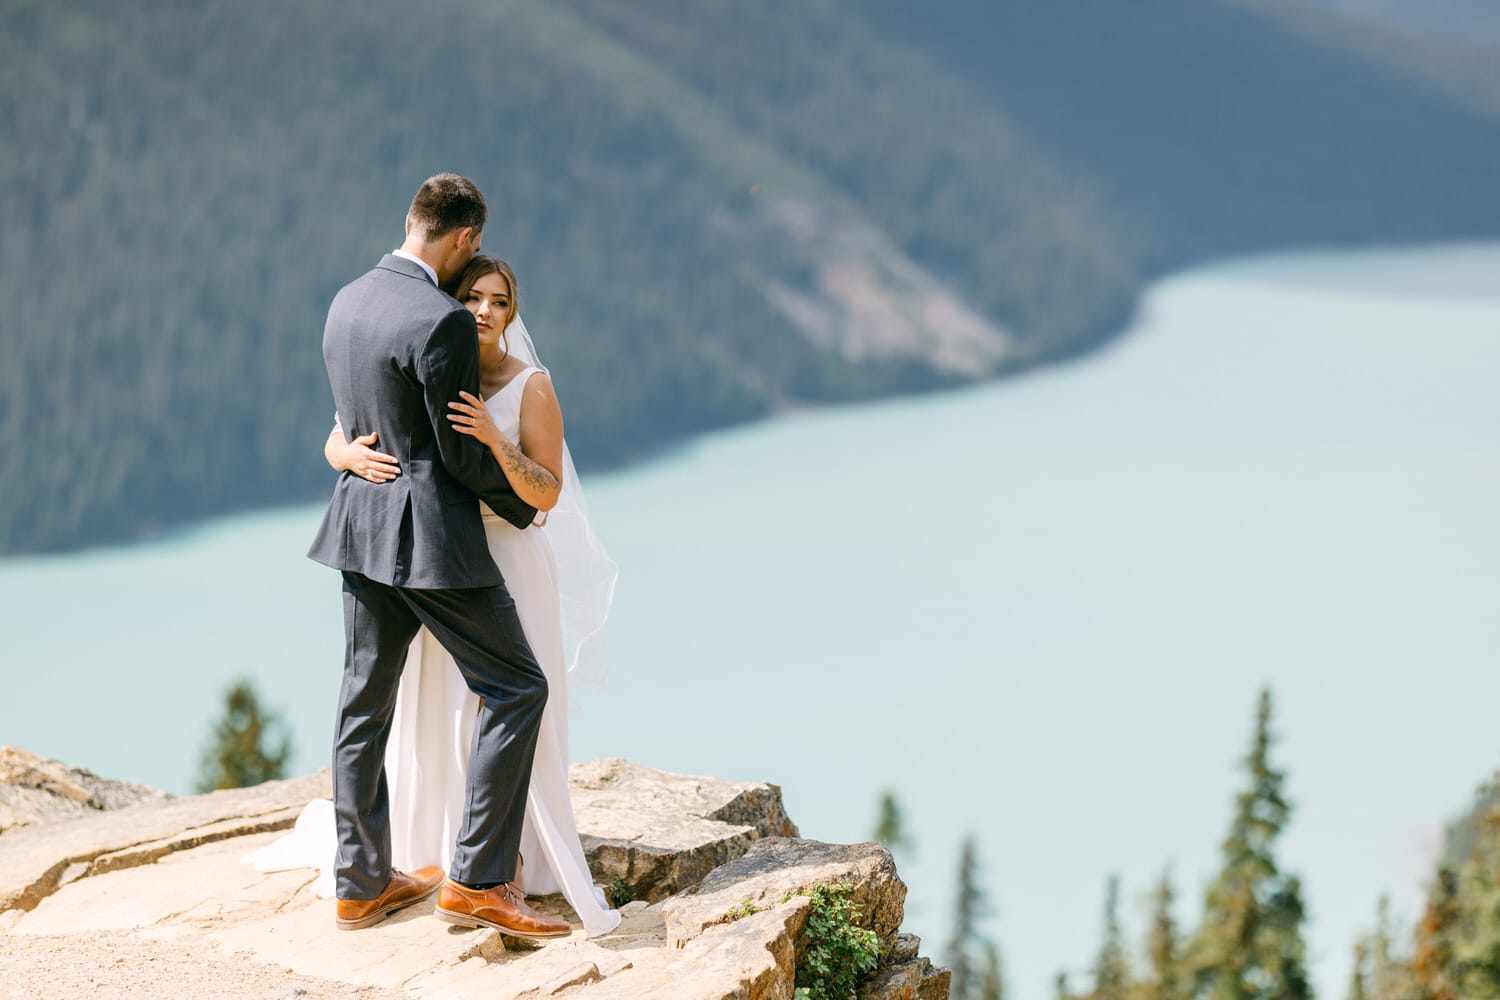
point(480, 629)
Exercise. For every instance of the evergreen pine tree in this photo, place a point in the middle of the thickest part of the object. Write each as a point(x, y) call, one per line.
point(890, 827)
point(1287, 952)
point(993, 987)
point(1457, 953)
point(242, 751)
point(1434, 974)
point(1469, 942)
point(965, 947)
point(1474, 832)
point(1357, 978)
point(1390, 976)
point(1476, 950)
point(1162, 948)
point(1249, 946)
point(1111, 972)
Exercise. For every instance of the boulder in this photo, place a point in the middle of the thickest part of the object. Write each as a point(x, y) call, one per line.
point(778, 867)
point(655, 833)
point(903, 949)
point(35, 790)
point(776, 873)
point(916, 979)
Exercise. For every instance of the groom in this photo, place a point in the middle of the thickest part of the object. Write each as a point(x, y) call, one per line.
point(412, 551)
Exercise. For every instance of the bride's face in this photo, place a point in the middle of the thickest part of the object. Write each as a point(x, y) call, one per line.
point(493, 306)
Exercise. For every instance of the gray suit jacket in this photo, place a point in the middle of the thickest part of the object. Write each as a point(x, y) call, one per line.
point(398, 351)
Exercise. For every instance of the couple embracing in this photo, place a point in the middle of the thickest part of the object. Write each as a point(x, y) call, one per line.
point(451, 743)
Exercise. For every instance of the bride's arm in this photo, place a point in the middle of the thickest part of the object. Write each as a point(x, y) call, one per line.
point(534, 466)
point(358, 457)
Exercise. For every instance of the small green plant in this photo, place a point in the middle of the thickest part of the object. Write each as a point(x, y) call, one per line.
point(619, 893)
point(838, 953)
point(744, 908)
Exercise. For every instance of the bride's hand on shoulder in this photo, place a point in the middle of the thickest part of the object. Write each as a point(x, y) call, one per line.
point(360, 458)
point(473, 418)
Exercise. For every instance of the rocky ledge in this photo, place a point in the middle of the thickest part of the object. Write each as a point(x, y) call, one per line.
point(154, 899)
point(37, 790)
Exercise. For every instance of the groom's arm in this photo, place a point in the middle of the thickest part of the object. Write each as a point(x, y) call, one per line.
point(450, 363)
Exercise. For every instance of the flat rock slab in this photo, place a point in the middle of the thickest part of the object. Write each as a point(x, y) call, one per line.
point(647, 831)
point(137, 964)
point(200, 888)
point(779, 867)
point(207, 894)
point(753, 958)
point(34, 860)
point(556, 967)
point(657, 833)
point(121, 898)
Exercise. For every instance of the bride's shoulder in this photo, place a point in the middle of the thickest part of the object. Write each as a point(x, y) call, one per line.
point(538, 397)
point(537, 380)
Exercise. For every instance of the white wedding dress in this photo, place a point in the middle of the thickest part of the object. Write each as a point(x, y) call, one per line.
point(427, 758)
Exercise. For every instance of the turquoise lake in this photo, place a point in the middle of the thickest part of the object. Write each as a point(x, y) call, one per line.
point(1039, 611)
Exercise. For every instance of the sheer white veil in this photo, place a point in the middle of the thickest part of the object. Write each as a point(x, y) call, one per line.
point(586, 574)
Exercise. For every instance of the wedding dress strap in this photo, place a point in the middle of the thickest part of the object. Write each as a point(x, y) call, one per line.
point(520, 378)
point(517, 381)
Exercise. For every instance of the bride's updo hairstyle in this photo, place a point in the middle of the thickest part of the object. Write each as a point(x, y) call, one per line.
point(480, 265)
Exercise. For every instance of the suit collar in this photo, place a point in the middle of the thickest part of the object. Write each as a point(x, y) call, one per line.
point(406, 266)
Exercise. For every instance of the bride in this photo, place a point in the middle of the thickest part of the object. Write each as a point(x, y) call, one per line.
point(562, 582)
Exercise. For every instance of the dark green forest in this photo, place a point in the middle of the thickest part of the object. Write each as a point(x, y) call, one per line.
point(717, 211)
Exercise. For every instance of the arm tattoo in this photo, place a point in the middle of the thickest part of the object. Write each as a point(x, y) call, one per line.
point(513, 459)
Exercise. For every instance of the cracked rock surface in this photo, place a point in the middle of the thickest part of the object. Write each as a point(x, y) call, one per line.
point(154, 900)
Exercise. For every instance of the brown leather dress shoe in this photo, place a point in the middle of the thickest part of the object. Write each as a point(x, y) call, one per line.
point(503, 908)
point(402, 890)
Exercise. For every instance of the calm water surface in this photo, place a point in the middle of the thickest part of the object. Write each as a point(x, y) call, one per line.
point(1040, 611)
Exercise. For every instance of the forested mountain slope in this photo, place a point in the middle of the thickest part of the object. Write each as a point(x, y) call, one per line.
point(716, 211)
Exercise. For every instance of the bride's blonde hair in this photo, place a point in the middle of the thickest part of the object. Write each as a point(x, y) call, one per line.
point(480, 265)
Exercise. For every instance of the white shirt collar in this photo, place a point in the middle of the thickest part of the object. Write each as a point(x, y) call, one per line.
point(425, 266)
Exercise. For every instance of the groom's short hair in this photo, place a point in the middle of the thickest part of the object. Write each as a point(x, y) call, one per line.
point(446, 202)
